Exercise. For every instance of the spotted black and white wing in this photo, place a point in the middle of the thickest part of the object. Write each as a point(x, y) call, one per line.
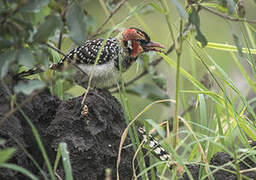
point(87, 53)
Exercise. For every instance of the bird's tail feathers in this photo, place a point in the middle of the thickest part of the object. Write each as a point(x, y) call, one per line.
point(27, 73)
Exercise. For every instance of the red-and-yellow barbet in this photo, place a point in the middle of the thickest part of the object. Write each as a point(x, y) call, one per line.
point(123, 48)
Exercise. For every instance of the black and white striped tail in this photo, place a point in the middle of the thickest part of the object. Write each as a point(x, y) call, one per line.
point(157, 148)
point(27, 73)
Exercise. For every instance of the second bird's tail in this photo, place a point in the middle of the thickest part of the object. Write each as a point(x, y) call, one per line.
point(27, 73)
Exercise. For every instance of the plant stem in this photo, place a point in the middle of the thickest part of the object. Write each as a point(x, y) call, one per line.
point(176, 109)
point(178, 53)
point(168, 19)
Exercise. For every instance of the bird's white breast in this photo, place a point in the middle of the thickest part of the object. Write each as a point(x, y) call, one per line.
point(103, 74)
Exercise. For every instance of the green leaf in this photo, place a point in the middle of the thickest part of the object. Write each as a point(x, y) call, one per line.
point(194, 17)
point(238, 44)
point(66, 161)
point(5, 59)
point(201, 38)
point(76, 91)
point(77, 24)
point(195, 20)
point(34, 5)
point(20, 169)
point(28, 87)
point(25, 57)
point(48, 27)
point(6, 154)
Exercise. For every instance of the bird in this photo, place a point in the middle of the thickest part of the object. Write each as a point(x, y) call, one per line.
point(117, 54)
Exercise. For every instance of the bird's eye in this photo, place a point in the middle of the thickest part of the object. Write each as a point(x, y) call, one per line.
point(142, 41)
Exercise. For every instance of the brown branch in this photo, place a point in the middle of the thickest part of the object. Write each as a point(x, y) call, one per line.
point(104, 7)
point(108, 18)
point(62, 15)
point(226, 16)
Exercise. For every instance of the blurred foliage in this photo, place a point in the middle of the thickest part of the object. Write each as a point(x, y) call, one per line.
point(27, 25)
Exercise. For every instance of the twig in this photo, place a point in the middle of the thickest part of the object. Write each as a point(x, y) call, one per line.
point(108, 18)
point(226, 16)
point(103, 5)
point(62, 15)
point(134, 157)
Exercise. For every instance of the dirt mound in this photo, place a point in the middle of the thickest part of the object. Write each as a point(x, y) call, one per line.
point(228, 172)
point(92, 141)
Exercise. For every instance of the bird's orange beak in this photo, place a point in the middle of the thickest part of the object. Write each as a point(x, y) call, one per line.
point(153, 46)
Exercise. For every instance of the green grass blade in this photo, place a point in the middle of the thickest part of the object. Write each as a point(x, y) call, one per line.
point(31, 158)
point(230, 83)
point(40, 144)
point(57, 159)
point(229, 48)
point(19, 169)
point(66, 161)
point(6, 154)
point(203, 114)
point(183, 72)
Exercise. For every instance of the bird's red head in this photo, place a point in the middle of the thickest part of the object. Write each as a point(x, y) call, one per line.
point(137, 42)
